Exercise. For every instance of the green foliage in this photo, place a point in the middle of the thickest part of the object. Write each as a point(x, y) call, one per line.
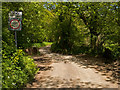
point(64, 30)
point(41, 44)
point(114, 48)
point(86, 28)
point(17, 69)
point(74, 27)
point(34, 23)
point(80, 50)
point(47, 43)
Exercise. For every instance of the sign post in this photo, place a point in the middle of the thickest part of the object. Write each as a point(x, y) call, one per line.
point(15, 23)
point(16, 39)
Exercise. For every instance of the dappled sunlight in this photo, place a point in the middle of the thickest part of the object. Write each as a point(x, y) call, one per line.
point(60, 45)
point(63, 71)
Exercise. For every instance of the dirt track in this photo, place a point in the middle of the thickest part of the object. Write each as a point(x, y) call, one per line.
point(61, 71)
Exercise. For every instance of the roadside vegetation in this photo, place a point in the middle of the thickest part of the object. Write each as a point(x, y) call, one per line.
point(69, 27)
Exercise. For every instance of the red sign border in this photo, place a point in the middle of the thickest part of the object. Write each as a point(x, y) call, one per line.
point(14, 20)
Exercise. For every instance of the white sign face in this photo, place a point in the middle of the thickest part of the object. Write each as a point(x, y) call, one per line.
point(15, 14)
point(20, 13)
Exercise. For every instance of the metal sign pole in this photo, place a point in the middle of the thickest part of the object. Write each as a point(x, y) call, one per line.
point(16, 39)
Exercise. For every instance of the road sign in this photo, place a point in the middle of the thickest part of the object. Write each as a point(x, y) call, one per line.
point(15, 21)
point(14, 24)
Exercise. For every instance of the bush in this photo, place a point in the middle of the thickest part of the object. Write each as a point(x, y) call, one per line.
point(115, 50)
point(82, 49)
point(17, 69)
